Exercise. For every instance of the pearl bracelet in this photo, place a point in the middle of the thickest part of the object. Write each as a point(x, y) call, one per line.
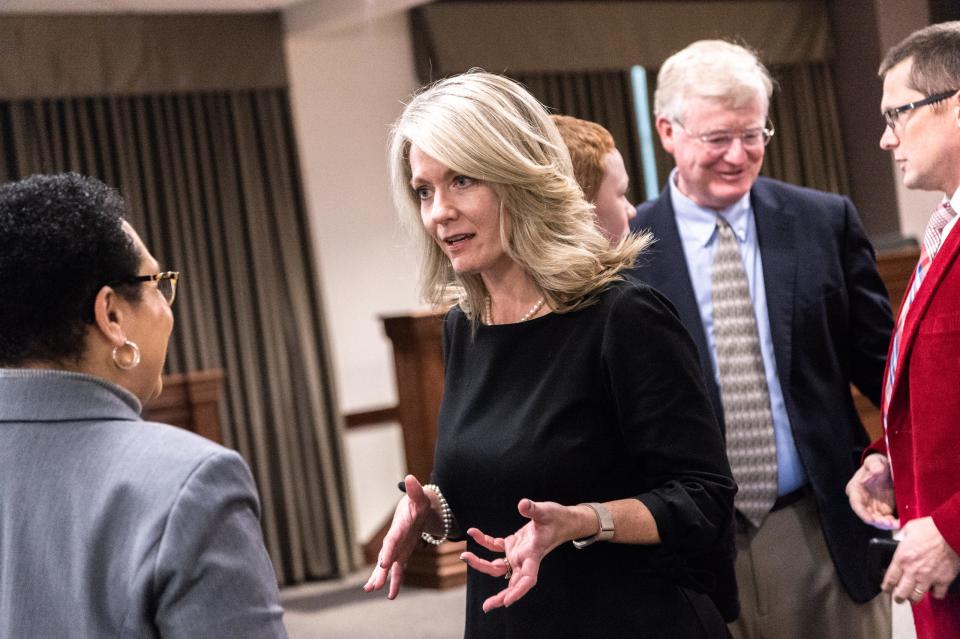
point(445, 514)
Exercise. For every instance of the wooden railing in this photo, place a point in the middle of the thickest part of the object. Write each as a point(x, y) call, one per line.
point(371, 417)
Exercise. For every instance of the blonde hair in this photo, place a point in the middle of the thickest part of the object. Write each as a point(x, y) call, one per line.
point(490, 128)
point(711, 69)
point(588, 144)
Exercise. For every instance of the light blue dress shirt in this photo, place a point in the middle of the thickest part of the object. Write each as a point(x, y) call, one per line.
point(698, 234)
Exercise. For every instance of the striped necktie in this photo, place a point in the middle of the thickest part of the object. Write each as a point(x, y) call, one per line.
point(751, 444)
point(931, 244)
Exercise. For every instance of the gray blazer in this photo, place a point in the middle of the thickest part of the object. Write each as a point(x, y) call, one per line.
point(115, 527)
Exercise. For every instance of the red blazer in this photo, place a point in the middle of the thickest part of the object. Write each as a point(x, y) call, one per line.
point(923, 422)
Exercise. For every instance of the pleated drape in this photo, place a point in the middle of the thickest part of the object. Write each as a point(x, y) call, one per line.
point(213, 186)
point(807, 148)
point(605, 97)
point(545, 45)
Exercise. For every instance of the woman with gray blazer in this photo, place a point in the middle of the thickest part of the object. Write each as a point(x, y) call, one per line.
point(109, 526)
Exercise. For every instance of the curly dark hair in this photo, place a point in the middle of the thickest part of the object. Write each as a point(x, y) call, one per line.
point(61, 240)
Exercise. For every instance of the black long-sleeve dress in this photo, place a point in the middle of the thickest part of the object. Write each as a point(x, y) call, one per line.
point(598, 404)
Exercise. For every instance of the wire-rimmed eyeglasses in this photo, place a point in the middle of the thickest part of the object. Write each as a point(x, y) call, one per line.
point(720, 141)
point(891, 116)
point(166, 283)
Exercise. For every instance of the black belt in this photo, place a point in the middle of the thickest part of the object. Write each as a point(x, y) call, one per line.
point(790, 498)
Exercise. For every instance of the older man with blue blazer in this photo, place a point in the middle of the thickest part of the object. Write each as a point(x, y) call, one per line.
point(779, 288)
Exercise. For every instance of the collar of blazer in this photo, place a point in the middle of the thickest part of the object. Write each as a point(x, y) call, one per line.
point(776, 219)
point(42, 395)
point(941, 265)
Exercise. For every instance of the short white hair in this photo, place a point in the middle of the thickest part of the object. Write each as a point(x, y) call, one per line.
point(714, 70)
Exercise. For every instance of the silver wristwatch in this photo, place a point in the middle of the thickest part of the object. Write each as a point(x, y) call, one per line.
point(606, 526)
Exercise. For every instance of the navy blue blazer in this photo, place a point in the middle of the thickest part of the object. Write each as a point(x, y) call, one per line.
point(830, 321)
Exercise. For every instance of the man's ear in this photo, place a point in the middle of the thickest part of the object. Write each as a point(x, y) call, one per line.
point(108, 315)
point(666, 131)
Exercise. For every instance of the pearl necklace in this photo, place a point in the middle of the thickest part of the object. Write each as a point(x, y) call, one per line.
point(488, 316)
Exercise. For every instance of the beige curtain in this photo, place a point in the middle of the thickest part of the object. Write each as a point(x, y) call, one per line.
point(604, 97)
point(543, 36)
point(212, 183)
point(570, 69)
point(807, 148)
point(55, 56)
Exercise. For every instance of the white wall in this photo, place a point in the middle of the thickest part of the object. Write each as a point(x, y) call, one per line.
point(349, 69)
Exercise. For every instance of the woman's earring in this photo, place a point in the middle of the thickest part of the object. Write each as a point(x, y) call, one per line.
point(126, 356)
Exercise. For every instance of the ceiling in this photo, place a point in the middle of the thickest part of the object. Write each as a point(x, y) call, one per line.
point(158, 6)
point(298, 14)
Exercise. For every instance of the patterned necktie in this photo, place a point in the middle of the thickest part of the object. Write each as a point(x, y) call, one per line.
point(931, 244)
point(751, 446)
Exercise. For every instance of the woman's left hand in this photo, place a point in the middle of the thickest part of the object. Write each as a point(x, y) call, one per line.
point(523, 551)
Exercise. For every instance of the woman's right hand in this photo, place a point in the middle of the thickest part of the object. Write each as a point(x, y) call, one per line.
point(408, 522)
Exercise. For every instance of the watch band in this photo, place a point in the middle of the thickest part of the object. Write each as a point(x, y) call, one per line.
point(606, 526)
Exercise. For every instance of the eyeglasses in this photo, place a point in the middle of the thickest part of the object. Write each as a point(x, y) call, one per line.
point(891, 116)
point(720, 141)
point(166, 283)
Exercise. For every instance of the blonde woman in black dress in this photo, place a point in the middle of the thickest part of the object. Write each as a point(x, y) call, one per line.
point(574, 408)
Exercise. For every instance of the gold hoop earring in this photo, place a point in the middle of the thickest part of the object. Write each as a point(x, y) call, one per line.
point(126, 360)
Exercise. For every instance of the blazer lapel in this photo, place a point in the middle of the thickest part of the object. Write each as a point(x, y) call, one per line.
point(938, 269)
point(670, 275)
point(776, 226)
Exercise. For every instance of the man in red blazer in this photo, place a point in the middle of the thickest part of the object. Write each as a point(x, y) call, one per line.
point(910, 478)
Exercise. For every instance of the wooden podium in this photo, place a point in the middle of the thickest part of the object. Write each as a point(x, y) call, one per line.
point(190, 401)
point(418, 358)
